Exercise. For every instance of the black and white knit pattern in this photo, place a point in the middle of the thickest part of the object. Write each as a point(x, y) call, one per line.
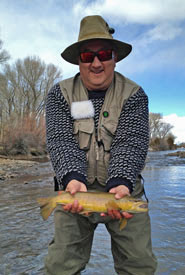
point(130, 145)
point(128, 150)
point(63, 148)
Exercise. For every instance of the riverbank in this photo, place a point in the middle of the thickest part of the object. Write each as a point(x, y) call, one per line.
point(180, 154)
point(15, 166)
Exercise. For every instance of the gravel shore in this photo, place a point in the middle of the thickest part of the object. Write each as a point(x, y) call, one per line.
point(13, 167)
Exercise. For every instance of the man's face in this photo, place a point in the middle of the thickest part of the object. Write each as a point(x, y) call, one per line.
point(97, 75)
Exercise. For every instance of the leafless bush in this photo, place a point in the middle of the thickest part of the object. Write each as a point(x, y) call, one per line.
point(25, 137)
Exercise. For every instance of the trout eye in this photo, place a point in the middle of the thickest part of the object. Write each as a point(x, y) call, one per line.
point(143, 206)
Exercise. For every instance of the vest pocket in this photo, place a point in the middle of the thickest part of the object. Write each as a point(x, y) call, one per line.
point(139, 188)
point(102, 166)
point(107, 134)
point(83, 130)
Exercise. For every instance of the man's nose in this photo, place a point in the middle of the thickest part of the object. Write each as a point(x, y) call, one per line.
point(96, 62)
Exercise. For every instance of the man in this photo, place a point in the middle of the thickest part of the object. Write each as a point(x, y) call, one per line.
point(97, 136)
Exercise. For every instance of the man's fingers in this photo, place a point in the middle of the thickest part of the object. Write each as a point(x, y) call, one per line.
point(73, 207)
point(126, 215)
point(76, 208)
point(72, 190)
point(114, 214)
point(118, 196)
point(67, 207)
point(83, 188)
point(113, 190)
point(120, 191)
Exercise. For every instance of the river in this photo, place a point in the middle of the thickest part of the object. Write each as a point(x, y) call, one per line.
point(24, 236)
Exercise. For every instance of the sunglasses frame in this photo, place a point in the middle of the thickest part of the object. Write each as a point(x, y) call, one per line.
point(98, 55)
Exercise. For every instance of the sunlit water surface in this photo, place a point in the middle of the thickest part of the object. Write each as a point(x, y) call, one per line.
point(24, 236)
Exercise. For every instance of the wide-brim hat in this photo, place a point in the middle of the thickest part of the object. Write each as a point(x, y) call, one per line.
point(95, 28)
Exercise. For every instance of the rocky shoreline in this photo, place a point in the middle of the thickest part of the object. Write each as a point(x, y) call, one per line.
point(13, 167)
point(16, 166)
point(180, 154)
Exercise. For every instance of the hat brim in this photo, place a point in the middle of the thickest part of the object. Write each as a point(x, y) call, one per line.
point(71, 53)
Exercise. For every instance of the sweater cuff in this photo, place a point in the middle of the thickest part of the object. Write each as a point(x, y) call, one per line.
point(114, 182)
point(73, 176)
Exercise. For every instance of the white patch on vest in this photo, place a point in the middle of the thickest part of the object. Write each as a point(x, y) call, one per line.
point(82, 109)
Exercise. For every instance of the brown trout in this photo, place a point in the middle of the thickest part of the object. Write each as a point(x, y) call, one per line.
point(92, 202)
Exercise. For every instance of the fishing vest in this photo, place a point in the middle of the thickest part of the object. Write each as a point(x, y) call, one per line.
point(97, 144)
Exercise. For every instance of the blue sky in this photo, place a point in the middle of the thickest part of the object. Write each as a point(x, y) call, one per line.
point(156, 29)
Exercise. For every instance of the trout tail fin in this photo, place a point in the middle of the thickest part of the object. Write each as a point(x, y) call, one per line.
point(47, 205)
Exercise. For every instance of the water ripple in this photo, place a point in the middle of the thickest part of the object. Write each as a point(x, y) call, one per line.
point(24, 236)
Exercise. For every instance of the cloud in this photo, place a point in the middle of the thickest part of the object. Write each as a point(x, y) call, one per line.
point(160, 59)
point(142, 12)
point(179, 126)
point(152, 27)
point(165, 31)
point(37, 29)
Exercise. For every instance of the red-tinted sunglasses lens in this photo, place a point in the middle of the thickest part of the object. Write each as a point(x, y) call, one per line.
point(104, 55)
point(88, 57)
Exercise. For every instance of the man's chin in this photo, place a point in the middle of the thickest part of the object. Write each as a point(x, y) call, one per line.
point(97, 86)
point(97, 79)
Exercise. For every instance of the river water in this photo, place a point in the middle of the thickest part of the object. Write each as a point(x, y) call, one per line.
point(24, 236)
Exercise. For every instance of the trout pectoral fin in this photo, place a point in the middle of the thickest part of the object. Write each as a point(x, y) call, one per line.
point(123, 223)
point(112, 205)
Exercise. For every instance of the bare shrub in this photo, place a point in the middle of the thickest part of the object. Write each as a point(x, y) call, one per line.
point(158, 144)
point(25, 137)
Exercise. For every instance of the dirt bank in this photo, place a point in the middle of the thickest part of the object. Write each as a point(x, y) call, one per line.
point(180, 154)
point(14, 167)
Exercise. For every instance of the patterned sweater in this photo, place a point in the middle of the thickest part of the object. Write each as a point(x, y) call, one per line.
point(128, 150)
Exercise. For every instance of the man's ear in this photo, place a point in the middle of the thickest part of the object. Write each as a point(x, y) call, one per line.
point(79, 60)
point(115, 56)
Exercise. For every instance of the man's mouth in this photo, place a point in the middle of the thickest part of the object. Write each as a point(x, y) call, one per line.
point(97, 72)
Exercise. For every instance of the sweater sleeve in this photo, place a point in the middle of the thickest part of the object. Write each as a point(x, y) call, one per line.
point(130, 145)
point(68, 161)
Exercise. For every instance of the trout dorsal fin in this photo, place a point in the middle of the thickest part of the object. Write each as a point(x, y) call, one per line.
point(112, 205)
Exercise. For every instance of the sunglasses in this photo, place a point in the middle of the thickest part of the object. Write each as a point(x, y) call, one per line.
point(103, 55)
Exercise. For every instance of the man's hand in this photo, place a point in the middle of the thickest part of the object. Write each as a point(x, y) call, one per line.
point(120, 191)
point(73, 187)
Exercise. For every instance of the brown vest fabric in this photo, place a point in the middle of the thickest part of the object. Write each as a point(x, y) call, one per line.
point(98, 148)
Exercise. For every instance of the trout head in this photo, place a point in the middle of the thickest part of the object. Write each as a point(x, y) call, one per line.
point(133, 205)
point(138, 206)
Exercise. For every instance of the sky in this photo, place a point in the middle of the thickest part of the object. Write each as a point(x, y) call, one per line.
point(156, 30)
